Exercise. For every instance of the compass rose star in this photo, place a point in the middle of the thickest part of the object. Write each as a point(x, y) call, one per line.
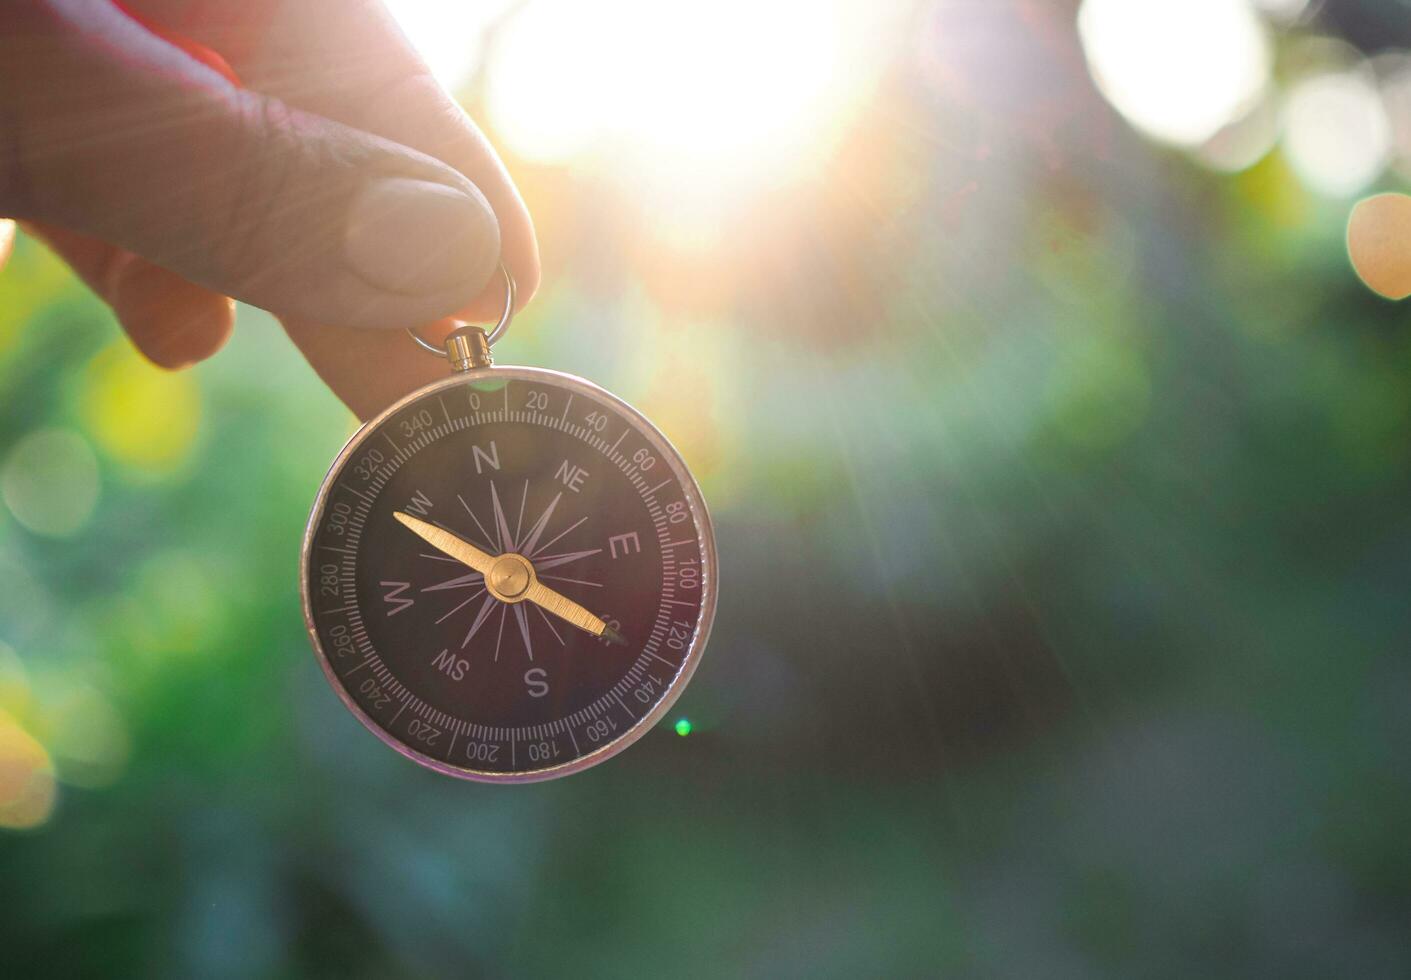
point(531, 540)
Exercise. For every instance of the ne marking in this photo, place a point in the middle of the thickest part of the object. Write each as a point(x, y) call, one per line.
point(657, 487)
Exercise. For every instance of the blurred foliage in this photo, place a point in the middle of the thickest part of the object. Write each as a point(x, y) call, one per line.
point(1061, 489)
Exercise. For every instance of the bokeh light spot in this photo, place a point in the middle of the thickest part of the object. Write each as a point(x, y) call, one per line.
point(693, 109)
point(86, 736)
point(1244, 142)
point(140, 415)
point(1336, 134)
point(14, 681)
point(50, 482)
point(27, 790)
point(539, 114)
point(1179, 70)
point(1379, 243)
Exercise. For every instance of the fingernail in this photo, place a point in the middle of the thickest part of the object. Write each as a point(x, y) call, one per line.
point(414, 236)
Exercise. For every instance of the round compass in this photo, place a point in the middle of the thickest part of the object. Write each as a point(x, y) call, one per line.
point(509, 575)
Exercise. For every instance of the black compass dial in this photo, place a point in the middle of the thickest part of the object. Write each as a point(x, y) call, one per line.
point(464, 674)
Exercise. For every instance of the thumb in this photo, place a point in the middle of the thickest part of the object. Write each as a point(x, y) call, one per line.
point(114, 133)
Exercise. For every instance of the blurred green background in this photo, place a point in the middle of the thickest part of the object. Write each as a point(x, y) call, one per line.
point(1059, 463)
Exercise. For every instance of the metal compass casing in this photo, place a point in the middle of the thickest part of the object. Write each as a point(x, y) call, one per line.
point(510, 574)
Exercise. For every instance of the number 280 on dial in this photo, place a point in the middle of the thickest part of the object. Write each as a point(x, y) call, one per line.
point(509, 575)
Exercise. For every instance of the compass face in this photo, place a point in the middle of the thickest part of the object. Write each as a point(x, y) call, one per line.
point(493, 679)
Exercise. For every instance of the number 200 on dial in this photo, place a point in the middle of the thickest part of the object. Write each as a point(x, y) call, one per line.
point(554, 481)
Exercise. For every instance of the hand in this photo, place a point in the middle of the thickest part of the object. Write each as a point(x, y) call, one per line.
point(335, 184)
point(509, 577)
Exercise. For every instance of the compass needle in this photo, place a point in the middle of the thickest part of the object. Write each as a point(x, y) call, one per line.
point(444, 541)
point(564, 608)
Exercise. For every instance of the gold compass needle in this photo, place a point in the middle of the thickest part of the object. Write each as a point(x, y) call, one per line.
point(447, 543)
point(509, 577)
point(564, 608)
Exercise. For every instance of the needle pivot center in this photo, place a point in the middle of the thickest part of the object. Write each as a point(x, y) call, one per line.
point(510, 577)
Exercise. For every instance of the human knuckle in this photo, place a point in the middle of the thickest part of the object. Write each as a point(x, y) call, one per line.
point(261, 154)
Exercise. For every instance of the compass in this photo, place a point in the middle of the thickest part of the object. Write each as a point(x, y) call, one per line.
point(508, 575)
